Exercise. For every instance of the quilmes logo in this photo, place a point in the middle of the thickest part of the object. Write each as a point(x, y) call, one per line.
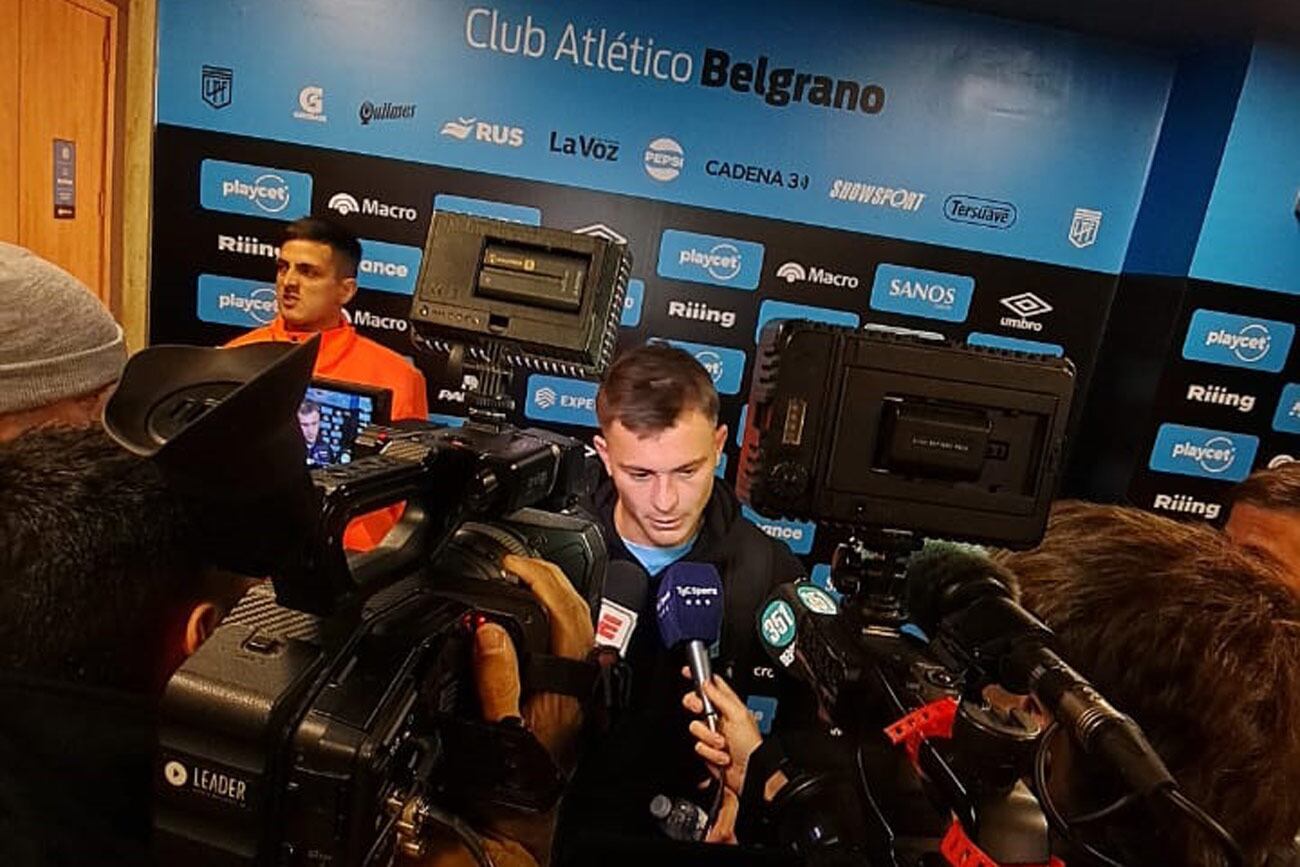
point(793, 272)
point(217, 86)
point(369, 111)
point(232, 301)
point(876, 195)
point(590, 147)
point(1220, 396)
point(698, 311)
point(465, 128)
point(1026, 305)
point(311, 104)
point(918, 292)
point(1211, 454)
point(257, 191)
point(1238, 341)
point(1185, 504)
point(559, 399)
point(710, 259)
point(798, 535)
point(664, 159)
point(990, 213)
point(725, 366)
point(1084, 227)
point(345, 203)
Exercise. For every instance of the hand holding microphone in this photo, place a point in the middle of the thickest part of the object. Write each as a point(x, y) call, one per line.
point(688, 606)
point(729, 747)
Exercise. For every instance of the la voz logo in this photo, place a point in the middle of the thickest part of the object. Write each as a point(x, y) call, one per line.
point(710, 259)
point(388, 267)
point(257, 191)
point(1209, 454)
point(772, 310)
point(798, 535)
point(231, 301)
point(918, 292)
point(560, 399)
point(1238, 341)
point(725, 366)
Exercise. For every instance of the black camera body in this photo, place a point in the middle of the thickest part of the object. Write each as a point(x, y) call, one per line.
point(291, 738)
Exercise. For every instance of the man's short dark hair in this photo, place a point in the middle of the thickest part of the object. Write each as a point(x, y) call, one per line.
point(1274, 488)
point(648, 388)
point(307, 408)
point(96, 559)
point(1198, 641)
point(344, 244)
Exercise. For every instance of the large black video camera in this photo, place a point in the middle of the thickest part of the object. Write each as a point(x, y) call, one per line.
point(331, 719)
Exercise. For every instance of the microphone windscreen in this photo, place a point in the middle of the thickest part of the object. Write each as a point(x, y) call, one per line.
point(945, 576)
point(626, 588)
point(688, 603)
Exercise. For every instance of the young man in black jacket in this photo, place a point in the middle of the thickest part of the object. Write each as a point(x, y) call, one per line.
point(661, 442)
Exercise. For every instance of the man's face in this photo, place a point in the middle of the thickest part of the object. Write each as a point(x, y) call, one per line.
point(1276, 532)
point(663, 479)
point(310, 424)
point(309, 288)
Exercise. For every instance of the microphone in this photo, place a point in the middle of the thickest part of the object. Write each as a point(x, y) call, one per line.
point(689, 610)
point(626, 588)
point(963, 600)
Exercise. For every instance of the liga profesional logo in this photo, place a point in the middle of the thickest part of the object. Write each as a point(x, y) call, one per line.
point(664, 159)
point(710, 259)
point(1201, 452)
point(1238, 341)
point(217, 86)
point(258, 191)
point(488, 132)
point(1084, 227)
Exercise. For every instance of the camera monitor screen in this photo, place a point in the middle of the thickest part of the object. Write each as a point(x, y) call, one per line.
point(332, 413)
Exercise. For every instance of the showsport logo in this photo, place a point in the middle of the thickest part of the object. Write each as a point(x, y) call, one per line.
point(989, 213)
point(919, 292)
point(491, 133)
point(867, 193)
point(217, 86)
point(232, 301)
point(1238, 341)
point(1212, 454)
point(311, 104)
point(793, 272)
point(1025, 305)
point(346, 203)
point(1084, 227)
point(254, 190)
point(710, 259)
point(664, 159)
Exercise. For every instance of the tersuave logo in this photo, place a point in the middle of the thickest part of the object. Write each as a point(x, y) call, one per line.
point(710, 259)
point(346, 203)
point(698, 311)
point(492, 133)
point(1184, 504)
point(1025, 305)
point(1238, 341)
point(989, 213)
point(793, 272)
point(256, 191)
point(918, 292)
point(664, 159)
point(562, 400)
point(1220, 396)
point(1212, 454)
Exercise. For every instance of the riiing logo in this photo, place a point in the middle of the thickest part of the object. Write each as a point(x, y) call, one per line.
point(1220, 396)
point(698, 311)
point(1185, 504)
point(1238, 341)
point(1212, 454)
point(254, 190)
point(1026, 305)
point(710, 259)
point(462, 128)
point(247, 245)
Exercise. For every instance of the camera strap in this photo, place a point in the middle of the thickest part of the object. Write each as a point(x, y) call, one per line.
point(546, 673)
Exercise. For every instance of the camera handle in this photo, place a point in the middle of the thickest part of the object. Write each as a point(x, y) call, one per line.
point(871, 569)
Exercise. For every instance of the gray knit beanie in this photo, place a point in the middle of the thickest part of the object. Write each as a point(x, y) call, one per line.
point(56, 339)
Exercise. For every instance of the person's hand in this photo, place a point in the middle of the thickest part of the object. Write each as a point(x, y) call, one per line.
point(728, 749)
point(723, 829)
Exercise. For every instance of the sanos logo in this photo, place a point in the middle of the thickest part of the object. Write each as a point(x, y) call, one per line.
point(709, 259)
point(798, 535)
point(1238, 341)
point(231, 301)
point(558, 399)
point(388, 267)
point(726, 366)
point(917, 292)
point(254, 190)
point(771, 310)
point(492, 133)
point(1211, 454)
point(793, 272)
point(1287, 416)
point(664, 159)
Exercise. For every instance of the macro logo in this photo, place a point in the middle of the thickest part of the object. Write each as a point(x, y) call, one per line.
point(232, 301)
point(725, 366)
point(798, 535)
point(256, 191)
point(465, 128)
point(560, 399)
point(710, 259)
point(793, 272)
point(1026, 306)
point(664, 159)
point(1209, 454)
point(217, 86)
point(388, 267)
point(918, 292)
point(1238, 341)
point(990, 213)
point(345, 203)
point(311, 104)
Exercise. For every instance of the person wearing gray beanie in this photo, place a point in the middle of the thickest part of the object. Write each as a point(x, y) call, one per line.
point(60, 350)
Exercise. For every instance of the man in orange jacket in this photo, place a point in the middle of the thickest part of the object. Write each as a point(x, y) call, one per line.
point(316, 275)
